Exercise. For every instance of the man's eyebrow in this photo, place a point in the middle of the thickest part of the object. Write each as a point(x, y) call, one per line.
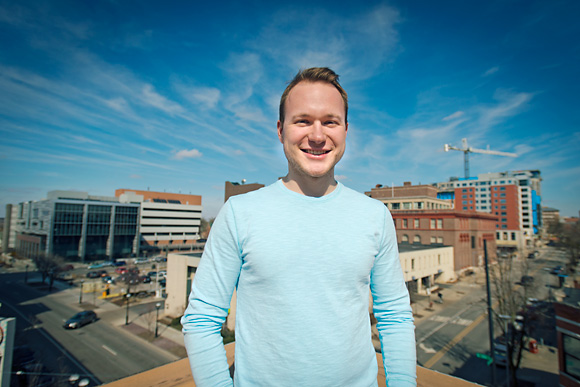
point(306, 115)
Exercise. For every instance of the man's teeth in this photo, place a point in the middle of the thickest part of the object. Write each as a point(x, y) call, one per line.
point(315, 152)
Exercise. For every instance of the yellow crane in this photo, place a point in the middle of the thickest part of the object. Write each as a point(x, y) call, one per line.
point(466, 149)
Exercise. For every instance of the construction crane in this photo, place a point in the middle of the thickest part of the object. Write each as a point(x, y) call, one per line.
point(467, 150)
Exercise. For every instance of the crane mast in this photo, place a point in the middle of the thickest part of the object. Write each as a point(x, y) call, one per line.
point(466, 149)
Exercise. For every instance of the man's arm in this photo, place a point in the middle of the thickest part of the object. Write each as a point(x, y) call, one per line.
point(393, 312)
point(209, 301)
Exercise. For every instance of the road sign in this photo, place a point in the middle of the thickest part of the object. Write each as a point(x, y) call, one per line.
point(485, 357)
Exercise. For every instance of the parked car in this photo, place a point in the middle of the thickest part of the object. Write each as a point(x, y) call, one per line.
point(108, 279)
point(80, 319)
point(108, 263)
point(95, 266)
point(145, 279)
point(500, 355)
point(96, 274)
point(557, 270)
point(160, 259)
point(140, 260)
point(163, 282)
point(162, 273)
point(527, 280)
point(120, 263)
point(152, 275)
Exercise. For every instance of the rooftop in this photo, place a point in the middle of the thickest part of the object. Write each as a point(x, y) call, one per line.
point(178, 374)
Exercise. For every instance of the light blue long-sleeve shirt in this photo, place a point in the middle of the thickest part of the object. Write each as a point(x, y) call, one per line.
point(302, 267)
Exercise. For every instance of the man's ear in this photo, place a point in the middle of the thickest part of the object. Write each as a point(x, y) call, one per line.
point(346, 128)
point(279, 126)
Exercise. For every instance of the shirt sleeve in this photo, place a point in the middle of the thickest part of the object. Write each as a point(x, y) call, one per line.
point(392, 309)
point(209, 301)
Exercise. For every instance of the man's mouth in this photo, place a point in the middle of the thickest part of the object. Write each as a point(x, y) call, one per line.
point(315, 152)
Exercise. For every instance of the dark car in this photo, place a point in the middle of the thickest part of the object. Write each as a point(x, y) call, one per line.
point(145, 279)
point(527, 280)
point(96, 274)
point(120, 263)
point(108, 279)
point(557, 270)
point(80, 319)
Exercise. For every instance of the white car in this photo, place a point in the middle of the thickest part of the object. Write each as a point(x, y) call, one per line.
point(140, 260)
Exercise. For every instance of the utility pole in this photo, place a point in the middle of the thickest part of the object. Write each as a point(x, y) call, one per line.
point(489, 313)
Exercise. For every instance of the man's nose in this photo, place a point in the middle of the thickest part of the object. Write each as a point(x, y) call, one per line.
point(317, 134)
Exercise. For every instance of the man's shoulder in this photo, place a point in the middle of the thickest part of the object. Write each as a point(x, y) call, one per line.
point(361, 199)
point(253, 197)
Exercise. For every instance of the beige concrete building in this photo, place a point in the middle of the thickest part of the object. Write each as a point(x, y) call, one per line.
point(409, 197)
point(425, 266)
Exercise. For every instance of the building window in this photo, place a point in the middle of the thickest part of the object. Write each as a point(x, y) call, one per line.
point(413, 264)
point(396, 206)
point(433, 240)
point(433, 224)
point(502, 201)
point(439, 259)
point(497, 236)
point(440, 223)
point(416, 239)
point(405, 238)
point(504, 220)
point(405, 223)
point(416, 225)
point(473, 242)
point(571, 352)
point(440, 240)
point(502, 188)
point(513, 236)
point(406, 205)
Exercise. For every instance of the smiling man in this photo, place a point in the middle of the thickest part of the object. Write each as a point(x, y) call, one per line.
point(303, 254)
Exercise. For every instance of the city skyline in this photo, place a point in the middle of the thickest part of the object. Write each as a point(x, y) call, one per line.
point(181, 97)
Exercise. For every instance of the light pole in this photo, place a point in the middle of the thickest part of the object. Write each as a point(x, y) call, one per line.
point(81, 293)
point(505, 319)
point(128, 296)
point(26, 274)
point(157, 306)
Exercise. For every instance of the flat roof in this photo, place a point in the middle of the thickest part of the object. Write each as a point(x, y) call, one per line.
point(406, 247)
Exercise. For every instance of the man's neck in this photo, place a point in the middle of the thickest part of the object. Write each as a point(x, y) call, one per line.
point(310, 186)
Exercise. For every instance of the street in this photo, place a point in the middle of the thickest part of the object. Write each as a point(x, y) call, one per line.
point(101, 351)
point(450, 338)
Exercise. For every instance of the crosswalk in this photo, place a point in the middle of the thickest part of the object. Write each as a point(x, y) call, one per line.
point(451, 320)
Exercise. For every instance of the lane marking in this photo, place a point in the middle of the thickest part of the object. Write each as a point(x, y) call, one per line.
point(461, 334)
point(453, 342)
point(109, 349)
point(426, 349)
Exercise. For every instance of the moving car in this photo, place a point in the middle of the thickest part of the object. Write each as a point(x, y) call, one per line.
point(80, 319)
point(96, 274)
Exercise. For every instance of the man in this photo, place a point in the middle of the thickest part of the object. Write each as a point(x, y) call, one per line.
point(302, 253)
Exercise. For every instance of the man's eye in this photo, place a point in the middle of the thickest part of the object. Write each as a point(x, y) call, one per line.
point(302, 122)
point(329, 123)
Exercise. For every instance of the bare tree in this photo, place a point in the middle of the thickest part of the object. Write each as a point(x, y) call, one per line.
point(511, 290)
point(48, 265)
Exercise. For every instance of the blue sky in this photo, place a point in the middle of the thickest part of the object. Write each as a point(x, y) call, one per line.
point(181, 96)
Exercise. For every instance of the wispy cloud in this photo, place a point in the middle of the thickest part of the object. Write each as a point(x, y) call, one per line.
point(490, 71)
point(187, 154)
point(453, 116)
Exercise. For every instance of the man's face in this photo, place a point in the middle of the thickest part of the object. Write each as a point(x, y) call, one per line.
point(314, 130)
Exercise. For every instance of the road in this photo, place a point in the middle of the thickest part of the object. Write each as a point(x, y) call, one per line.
point(449, 341)
point(99, 351)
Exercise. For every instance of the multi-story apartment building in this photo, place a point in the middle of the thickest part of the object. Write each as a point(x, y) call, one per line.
point(549, 215)
point(75, 225)
point(167, 221)
point(514, 197)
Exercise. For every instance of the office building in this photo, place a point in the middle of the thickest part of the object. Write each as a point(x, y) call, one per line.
point(75, 226)
point(167, 221)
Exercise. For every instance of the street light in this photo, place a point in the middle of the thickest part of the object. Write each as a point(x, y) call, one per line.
point(81, 293)
point(505, 319)
point(128, 296)
point(157, 306)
